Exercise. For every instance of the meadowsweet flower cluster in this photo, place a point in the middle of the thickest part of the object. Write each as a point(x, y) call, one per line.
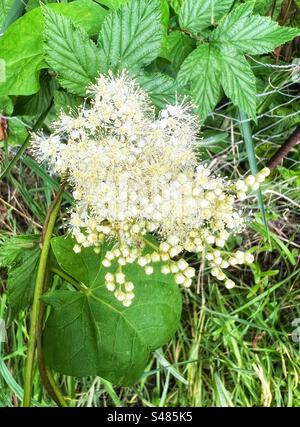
point(133, 173)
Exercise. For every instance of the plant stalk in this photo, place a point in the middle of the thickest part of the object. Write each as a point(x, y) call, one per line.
point(36, 306)
point(45, 373)
point(25, 144)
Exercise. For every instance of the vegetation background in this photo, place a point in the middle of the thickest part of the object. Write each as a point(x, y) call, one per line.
point(233, 348)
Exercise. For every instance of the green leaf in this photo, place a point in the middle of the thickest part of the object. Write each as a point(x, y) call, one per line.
point(162, 89)
point(32, 4)
point(238, 81)
point(202, 70)
point(90, 333)
point(165, 20)
point(179, 46)
point(66, 102)
point(112, 4)
point(17, 132)
point(131, 37)
point(23, 56)
point(20, 255)
point(196, 15)
point(70, 53)
point(5, 6)
point(176, 5)
point(265, 7)
point(38, 103)
point(6, 106)
point(252, 34)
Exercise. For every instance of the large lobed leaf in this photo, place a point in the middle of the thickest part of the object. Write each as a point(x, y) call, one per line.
point(90, 333)
point(21, 47)
point(131, 37)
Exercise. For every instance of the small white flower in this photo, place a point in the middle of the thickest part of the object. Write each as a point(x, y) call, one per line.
point(148, 270)
point(229, 284)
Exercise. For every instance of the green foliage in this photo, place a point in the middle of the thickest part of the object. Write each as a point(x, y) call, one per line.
point(24, 56)
point(179, 45)
point(64, 101)
point(36, 104)
point(238, 81)
point(112, 4)
point(238, 33)
point(265, 7)
point(162, 89)
point(5, 6)
point(165, 18)
point(131, 37)
point(20, 256)
point(197, 15)
point(70, 53)
point(252, 33)
point(89, 332)
point(32, 4)
point(133, 34)
point(6, 105)
point(17, 132)
point(202, 71)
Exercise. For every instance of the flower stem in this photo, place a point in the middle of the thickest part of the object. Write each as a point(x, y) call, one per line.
point(36, 305)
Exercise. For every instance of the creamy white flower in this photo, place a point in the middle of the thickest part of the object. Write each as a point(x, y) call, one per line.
point(133, 173)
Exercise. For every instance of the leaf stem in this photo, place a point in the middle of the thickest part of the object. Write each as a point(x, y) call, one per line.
point(36, 306)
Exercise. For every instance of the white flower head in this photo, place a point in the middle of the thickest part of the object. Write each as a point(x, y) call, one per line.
point(134, 173)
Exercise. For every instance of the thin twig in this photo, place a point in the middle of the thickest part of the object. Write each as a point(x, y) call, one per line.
point(291, 142)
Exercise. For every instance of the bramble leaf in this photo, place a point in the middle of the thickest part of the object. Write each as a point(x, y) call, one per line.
point(131, 37)
point(70, 53)
point(202, 70)
point(238, 81)
point(252, 34)
point(23, 56)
